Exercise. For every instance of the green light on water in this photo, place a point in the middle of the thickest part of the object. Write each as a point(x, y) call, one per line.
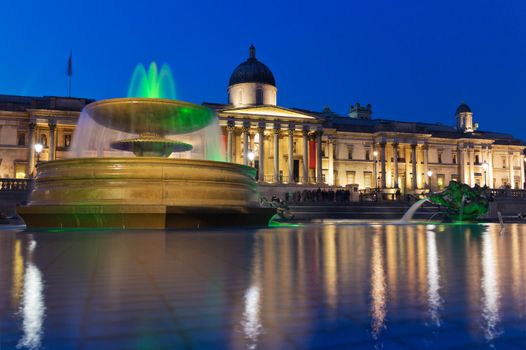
point(153, 83)
point(274, 223)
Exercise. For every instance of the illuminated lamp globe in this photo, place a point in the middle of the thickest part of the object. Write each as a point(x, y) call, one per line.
point(39, 147)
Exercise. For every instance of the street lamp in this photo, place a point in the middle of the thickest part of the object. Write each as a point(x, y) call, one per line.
point(485, 167)
point(429, 174)
point(38, 149)
point(251, 156)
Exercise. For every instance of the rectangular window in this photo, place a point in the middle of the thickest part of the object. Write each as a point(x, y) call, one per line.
point(351, 177)
point(440, 157)
point(368, 179)
point(504, 162)
point(454, 158)
point(477, 159)
point(21, 139)
point(67, 140)
point(440, 180)
point(20, 170)
point(349, 153)
point(367, 155)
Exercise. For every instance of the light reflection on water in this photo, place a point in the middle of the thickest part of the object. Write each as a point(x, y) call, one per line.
point(32, 308)
point(433, 279)
point(378, 292)
point(490, 288)
point(265, 288)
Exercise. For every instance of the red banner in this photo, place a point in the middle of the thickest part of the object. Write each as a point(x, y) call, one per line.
point(312, 154)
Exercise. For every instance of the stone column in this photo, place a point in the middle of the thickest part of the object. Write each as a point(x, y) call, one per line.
point(305, 133)
point(490, 167)
point(261, 162)
point(471, 166)
point(245, 130)
point(382, 165)
point(330, 148)
point(461, 164)
point(415, 174)
point(521, 185)
point(276, 152)
point(510, 164)
point(52, 143)
point(427, 179)
point(408, 182)
point(291, 153)
point(31, 149)
point(395, 165)
point(230, 128)
point(319, 175)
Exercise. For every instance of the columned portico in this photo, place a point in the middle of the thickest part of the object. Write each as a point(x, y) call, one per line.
point(261, 160)
point(291, 152)
point(277, 128)
point(305, 134)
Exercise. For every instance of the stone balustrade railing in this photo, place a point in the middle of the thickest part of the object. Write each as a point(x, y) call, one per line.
point(11, 185)
point(508, 193)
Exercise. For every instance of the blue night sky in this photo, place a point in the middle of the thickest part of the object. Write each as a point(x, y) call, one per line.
point(412, 60)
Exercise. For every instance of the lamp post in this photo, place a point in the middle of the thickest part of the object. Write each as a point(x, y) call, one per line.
point(429, 174)
point(485, 167)
point(38, 149)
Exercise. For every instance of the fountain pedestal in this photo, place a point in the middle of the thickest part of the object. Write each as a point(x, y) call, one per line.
point(143, 192)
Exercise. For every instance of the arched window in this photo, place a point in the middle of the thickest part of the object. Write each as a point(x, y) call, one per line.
point(43, 140)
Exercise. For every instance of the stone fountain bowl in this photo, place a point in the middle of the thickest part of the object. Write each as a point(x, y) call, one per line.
point(156, 115)
point(143, 192)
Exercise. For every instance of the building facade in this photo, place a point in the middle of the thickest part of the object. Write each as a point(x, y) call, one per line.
point(296, 147)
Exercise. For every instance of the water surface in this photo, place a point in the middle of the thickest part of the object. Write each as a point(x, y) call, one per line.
point(316, 286)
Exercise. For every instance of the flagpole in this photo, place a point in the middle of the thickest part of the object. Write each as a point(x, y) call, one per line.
point(69, 71)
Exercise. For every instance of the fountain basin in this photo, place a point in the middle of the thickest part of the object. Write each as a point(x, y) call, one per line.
point(143, 192)
point(140, 115)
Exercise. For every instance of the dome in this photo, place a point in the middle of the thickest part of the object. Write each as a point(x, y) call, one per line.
point(252, 71)
point(463, 108)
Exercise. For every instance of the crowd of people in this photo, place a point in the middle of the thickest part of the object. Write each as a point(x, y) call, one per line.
point(319, 196)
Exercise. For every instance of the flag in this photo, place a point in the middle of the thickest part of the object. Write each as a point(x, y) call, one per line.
point(69, 72)
point(312, 154)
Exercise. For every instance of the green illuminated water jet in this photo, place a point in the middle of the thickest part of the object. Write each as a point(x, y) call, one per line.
point(153, 83)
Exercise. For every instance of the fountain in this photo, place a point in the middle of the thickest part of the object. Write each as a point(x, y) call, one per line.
point(156, 188)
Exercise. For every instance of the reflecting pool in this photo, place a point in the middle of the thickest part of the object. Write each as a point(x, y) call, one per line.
point(331, 285)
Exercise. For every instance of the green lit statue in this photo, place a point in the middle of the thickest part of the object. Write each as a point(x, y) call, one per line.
point(462, 203)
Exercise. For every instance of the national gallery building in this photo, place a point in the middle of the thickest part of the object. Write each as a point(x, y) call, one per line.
point(296, 147)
